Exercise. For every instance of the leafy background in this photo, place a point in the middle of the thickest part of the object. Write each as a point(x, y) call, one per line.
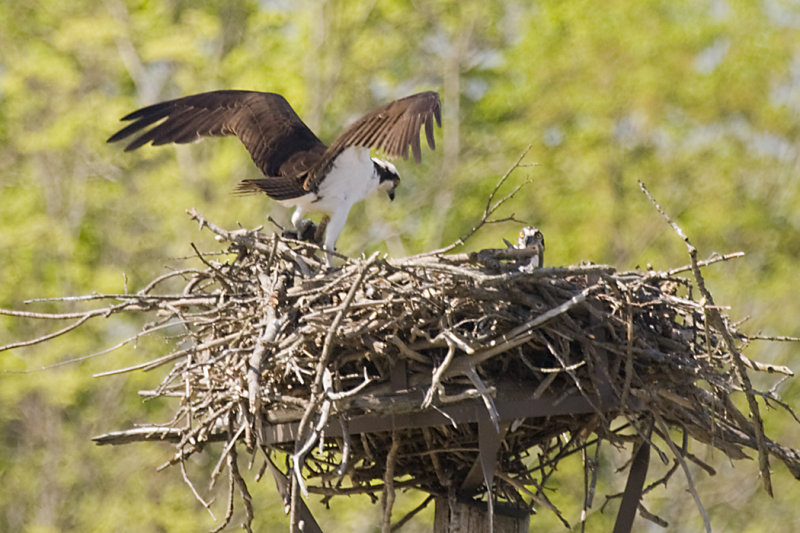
point(698, 99)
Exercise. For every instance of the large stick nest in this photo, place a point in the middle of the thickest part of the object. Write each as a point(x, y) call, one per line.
point(281, 353)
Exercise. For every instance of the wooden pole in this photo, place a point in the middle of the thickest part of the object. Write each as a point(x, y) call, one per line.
point(473, 517)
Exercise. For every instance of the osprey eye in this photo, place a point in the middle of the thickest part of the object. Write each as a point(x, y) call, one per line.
point(521, 233)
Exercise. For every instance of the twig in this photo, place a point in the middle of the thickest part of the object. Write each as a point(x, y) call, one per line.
point(256, 359)
point(710, 261)
point(773, 338)
point(540, 498)
point(82, 358)
point(387, 499)
point(62, 331)
point(486, 396)
point(229, 507)
point(409, 515)
point(155, 363)
point(678, 457)
point(647, 515)
point(337, 396)
point(225, 452)
point(194, 491)
point(488, 210)
point(147, 433)
point(590, 468)
point(766, 367)
point(626, 386)
point(437, 376)
point(233, 467)
point(739, 364)
point(347, 444)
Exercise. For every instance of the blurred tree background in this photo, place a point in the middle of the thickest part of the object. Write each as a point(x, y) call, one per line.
point(700, 100)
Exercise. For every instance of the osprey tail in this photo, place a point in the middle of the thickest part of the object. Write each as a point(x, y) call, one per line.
point(279, 188)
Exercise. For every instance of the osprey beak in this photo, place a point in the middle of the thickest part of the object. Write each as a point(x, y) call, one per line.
point(390, 192)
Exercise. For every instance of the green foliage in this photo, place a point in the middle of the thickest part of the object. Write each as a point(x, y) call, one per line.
point(697, 99)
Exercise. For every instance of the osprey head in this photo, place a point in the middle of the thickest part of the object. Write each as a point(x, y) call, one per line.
point(388, 178)
point(530, 237)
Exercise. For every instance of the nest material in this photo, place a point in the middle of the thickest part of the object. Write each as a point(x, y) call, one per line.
point(275, 341)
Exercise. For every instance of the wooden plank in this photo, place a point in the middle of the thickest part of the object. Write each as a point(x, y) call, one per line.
point(511, 405)
point(633, 489)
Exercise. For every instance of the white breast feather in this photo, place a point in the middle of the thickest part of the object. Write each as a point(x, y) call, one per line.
point(350, 179)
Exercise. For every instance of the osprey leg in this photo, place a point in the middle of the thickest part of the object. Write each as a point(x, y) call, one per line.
point(297, 218)
point(335, 227)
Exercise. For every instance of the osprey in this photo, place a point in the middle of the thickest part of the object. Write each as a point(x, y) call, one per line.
point(299, 169)
point(529, 238)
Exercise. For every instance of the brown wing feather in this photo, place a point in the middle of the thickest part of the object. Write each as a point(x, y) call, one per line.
point(278, 141)
point(392, 128)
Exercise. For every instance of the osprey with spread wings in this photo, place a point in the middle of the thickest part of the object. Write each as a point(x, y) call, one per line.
point(299, 169)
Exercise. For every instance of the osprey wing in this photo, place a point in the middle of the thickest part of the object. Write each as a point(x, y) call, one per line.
point(278, 141)
point(392, 128)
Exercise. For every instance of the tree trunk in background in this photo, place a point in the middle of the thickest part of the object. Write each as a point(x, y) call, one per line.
point(451, 110)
